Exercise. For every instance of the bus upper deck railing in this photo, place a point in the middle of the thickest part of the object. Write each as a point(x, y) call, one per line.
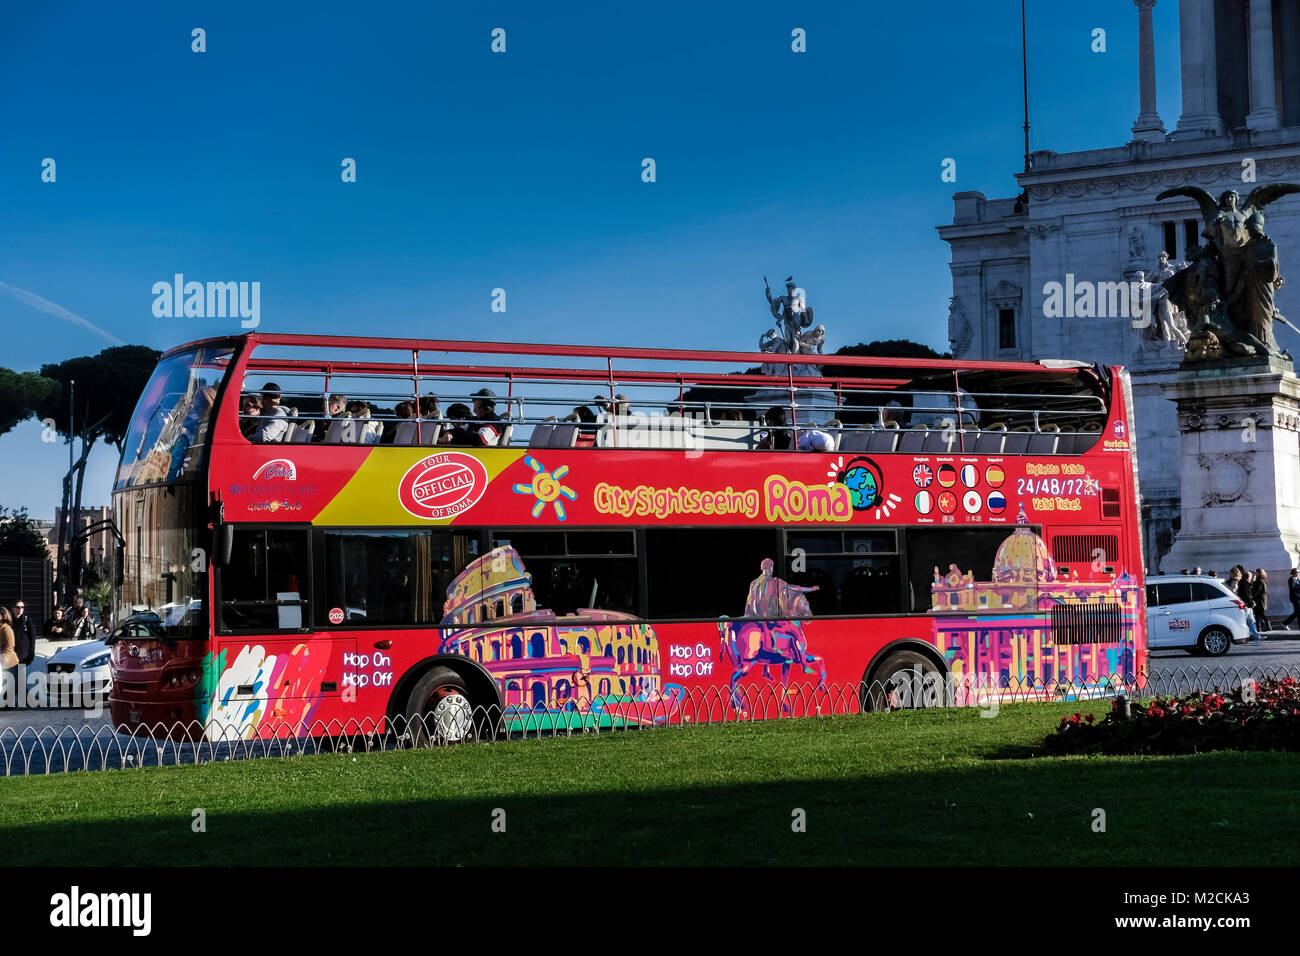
point(401, 405)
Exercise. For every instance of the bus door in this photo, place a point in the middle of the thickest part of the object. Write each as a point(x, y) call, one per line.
point(275, 673)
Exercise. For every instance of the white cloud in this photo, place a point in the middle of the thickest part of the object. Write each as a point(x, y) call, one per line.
point(45, 305)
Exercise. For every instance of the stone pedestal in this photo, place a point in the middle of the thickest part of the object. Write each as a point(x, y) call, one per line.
point(813, 406)
point(1239, 441)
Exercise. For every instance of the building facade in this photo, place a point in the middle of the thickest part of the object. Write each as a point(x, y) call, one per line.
point(1087, 221)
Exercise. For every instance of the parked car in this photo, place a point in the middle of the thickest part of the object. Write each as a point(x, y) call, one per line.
point(79, 673)
point(1197, 614)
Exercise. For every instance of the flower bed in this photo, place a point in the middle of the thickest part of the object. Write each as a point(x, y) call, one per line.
point(1264, 715)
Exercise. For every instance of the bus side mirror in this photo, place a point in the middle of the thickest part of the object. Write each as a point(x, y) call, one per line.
point(225, 544)
point(119, 566)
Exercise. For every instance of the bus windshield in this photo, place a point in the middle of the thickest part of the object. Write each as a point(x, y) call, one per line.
point(169, 429)
point(162, 582)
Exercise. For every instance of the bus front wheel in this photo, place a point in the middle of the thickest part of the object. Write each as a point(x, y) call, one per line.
point(439, 711)
point(904, 680)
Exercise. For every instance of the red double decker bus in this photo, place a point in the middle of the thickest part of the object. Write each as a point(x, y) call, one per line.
point(326, 535)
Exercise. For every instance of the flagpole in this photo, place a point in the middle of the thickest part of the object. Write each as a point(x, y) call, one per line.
point(1024, 64)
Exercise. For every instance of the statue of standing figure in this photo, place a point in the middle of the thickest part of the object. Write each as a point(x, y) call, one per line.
point(791, 313)
point(794, 333)
point(1227, 290)
point(1168, 323)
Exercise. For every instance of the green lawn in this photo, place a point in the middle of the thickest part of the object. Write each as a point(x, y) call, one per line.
point(930, 788)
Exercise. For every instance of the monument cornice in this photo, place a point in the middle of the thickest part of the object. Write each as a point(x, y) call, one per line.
point(1156, 181)
point(1211, 420)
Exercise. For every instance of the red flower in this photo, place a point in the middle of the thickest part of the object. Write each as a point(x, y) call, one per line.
point(1088, 718)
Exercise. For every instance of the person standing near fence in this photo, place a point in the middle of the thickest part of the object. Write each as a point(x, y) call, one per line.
point(1293, 592)
point(8, 656)
point(1239, 584)
point(1259, 590)
point(24, 633)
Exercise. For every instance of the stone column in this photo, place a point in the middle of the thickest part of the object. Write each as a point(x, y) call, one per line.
point(1239, 469)
point(1148, 126)
point(1263, 105)
point(1200, 80)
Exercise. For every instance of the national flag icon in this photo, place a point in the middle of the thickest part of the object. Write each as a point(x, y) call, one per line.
point(997, 502)
point(994, 475)
point(924, 502)
point(947, 475)
point(922, 475)
point(970, 476)
point(947, 502)
point(972, 502)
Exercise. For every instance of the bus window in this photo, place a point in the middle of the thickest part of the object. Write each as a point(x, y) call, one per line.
point(575, 570)
point(854, 572)
point(264, 585)
point(382, 577)
point(705, 572)
point(996, 568)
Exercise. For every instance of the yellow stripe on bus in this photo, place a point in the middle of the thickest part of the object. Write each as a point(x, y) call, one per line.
point(372, 496)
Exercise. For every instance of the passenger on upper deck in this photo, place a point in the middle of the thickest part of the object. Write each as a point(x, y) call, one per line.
point(368, 431)
point(459, 432)
point(776, 437)
point(587, 428)
point(815, 439)
point(341, 428)
point(274, 426)
point(250, 409)
point(486, 417)
point(404, 433)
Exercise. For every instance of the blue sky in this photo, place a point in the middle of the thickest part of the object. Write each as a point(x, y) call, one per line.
point(519, 170)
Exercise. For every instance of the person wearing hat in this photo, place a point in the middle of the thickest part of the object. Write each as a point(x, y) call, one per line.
point(483, 426)
point(274, 426)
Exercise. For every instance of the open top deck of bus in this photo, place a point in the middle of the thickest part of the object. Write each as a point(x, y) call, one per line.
point(676, 398)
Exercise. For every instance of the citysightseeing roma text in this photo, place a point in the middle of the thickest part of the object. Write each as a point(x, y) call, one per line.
point(784, 499)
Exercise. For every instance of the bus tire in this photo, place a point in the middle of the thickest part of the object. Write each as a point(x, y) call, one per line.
point(1214, 641)
point(904, 680)
point(439, 710)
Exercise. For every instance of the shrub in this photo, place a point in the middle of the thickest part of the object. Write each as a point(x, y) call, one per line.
point(1263, 715)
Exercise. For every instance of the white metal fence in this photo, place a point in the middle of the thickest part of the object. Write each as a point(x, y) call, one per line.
point(50, 749)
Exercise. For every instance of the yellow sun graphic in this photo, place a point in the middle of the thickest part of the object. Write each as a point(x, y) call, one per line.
point(546, 487)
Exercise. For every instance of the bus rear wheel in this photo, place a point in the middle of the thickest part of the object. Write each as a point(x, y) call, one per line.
point(439, 711)
point(905, 680)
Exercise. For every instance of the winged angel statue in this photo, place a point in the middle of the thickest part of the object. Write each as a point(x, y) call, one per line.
point(1227, 290)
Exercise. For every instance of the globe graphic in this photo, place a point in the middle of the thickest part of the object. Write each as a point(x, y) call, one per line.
point(862, 487)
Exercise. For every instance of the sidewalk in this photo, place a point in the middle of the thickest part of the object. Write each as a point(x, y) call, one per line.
point(1279, 635)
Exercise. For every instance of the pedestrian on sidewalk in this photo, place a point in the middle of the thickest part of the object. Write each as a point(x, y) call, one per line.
point(1259, 589)
point(8, 644)
point(1239, 584)
point(24, 633)
point(1293, 592)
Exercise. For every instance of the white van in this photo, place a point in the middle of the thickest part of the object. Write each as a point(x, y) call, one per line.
point(1197, 614)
